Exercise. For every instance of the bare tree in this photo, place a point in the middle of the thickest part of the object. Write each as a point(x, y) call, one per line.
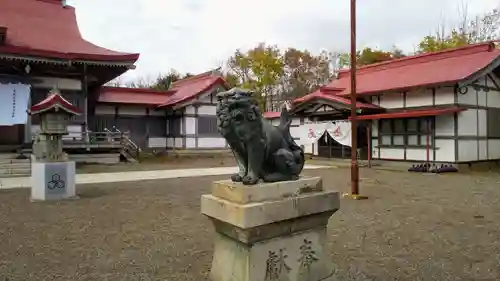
point(483, 28)
point(333, 57)
point(117, 82)
point(141, 82)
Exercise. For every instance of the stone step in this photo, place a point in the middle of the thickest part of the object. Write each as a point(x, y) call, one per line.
point(3, 176)
point(14, 161)
point(11, 167)
point(15, 171)
point(8, 156)
point(130, 158)
point(14, 165)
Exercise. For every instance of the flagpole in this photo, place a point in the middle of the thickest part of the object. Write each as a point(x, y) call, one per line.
point(354, 128)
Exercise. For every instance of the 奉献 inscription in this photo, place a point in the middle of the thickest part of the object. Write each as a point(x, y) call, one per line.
point(307, 258)
point(276, 267)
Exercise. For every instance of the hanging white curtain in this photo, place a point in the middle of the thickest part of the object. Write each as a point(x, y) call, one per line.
point(311, 133)
point(14, 99)
point(340, 131)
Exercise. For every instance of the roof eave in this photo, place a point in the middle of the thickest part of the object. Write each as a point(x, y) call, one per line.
point(364, 105)
point(154, 105)
point(58, 57)
point(56, 106)
point(401, 89)
point(411, 113)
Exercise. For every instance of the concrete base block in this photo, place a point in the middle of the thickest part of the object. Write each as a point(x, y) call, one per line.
point(271, 231)
point(53, 181)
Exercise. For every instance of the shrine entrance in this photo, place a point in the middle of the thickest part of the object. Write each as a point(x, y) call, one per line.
point(326, 106)
point(330, 148)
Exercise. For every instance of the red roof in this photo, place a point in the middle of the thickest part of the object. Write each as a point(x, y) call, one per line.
point(45, 28)
point(271, 115)
point(412, 113)
point(192, 87)
point(133, 96)
point(54, 102)
point(330, 96)
point(181, 91)
point(431, 69)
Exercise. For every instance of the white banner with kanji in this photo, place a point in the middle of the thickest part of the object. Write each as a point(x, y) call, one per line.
point(311, 133)
point(14, 99)
point(340, 131)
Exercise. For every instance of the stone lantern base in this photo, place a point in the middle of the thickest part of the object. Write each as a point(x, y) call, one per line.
point(52, 180)
point(271, 231)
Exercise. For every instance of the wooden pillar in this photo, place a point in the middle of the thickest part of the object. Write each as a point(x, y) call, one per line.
point(148, 129)
point(85, 92)
point(369, 139)
point(174, 120)
point(27, 127)
point(428, 146)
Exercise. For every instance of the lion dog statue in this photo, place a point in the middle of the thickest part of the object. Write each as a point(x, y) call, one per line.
point(262, 151)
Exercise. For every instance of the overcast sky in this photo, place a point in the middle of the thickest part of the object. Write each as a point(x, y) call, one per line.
point(196, 35)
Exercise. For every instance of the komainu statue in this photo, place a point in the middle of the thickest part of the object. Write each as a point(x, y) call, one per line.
point(262, 151)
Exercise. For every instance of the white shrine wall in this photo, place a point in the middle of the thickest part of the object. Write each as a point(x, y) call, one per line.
point(458, 138)
point(309, 148)
point(192, 136)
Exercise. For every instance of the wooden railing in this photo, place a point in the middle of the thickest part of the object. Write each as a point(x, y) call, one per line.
point(93, 139)
point(130, 149)
point(108, 139)
point(126, 140)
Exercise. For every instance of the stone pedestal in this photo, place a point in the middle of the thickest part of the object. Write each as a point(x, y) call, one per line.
point(271, 231)
point(52, 180)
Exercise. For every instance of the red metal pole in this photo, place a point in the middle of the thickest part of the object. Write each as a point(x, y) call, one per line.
point(354, 129)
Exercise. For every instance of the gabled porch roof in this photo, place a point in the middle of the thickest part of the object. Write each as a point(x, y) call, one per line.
point(330, 96)
point(414, 113)
point(324, 102)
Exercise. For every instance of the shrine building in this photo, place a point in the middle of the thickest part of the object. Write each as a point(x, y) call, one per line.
point(41, 49)
point(441, 107)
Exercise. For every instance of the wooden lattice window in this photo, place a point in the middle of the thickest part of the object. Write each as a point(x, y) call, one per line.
point(405, 132)
point(207, 125)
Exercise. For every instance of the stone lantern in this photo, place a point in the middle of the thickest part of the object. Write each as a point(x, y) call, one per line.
point(53, 176)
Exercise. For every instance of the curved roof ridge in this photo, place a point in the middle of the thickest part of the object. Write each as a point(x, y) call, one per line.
point(211, 73)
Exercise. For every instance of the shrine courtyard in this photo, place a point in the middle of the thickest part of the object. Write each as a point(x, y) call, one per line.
point(412, 227)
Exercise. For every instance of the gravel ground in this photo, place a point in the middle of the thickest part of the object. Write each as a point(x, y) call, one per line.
point(412, 227)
